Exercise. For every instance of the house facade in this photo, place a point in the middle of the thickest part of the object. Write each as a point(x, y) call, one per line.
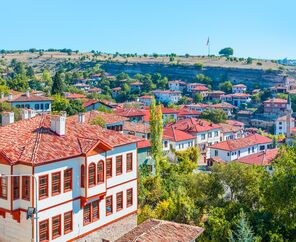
point(177, 85)
point(167, 96)
point(81, 178)
point(239, 88)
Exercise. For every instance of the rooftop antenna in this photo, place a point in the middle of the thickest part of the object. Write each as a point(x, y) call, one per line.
point(209, 46)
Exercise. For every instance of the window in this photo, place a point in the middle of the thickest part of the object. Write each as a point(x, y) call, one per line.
point(68, 222)
point(92, 175)
point(82, 176)
point(91, 212)
point(43, 231)
point(165, 144)
point(101, 172)
point(3, 187)
point(55, 183)
point(216, 134)
point(56, 227)
point(262, 147)
point(86, 214)
point(119, 201)
point(129, 162)
point(109, 167)
point(26, 188)
point(68, 180)
point(16, 187)
point(216, 152)
point(43, 187)
point(210, 135)
point(47, 106)
point(109, 205)
point(118, 165)
point(37, 106)
point(249, 150)
point(129, 197)
point(95, 211)
point(253, 149)
point(203, 136)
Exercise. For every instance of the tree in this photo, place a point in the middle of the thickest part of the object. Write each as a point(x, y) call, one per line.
point(249, 60)
point(197, 98)
point(19, 83)
point(243, 231)
point(215, 116)
point(156, 129)
point(99, 121)
point(58, 84)
point(201, 78)
point(228, 51)
point(226, 87)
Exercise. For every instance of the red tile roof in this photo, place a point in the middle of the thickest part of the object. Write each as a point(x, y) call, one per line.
point(31, 141)
point(276, 100)
point(153, 230)
point(178, 81)
point(187, 112)
point(143, 144)
point(239, 86)
point(116, 88)
point(263, 158)
point(74, 96)
point(235, 123)
point(136, 127)
point(146, 97)
point(228, 128)
point(194, 125)
point(129, 112)
point(136, 84)
point(200, 88)
point(177, 135)
point(232, 145)
point(222, 105)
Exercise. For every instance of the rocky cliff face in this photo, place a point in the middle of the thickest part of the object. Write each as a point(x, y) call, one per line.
point(249, 77)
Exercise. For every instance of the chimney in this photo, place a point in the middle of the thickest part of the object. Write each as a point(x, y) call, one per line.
point(7, 118)
point(25, 114)
point(27, 93)
point(81, 118)
point(31, 113)
point(9, 97)
point(58, 124)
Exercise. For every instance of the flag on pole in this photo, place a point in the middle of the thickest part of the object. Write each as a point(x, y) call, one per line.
point(208, 41)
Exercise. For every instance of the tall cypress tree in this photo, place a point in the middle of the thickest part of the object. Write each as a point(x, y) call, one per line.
point(58, 84)
point(156, 130)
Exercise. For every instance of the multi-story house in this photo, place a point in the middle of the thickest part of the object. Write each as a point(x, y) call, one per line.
point(215, 95)
point(191, 86)
point(275, 106)
point(237, 99)
point(179, 140)
point(27, 100)
point(229, 131)
point(281, 125)
point(139, 129)
point(75, 179)
point(226, 107)
point(177, 85)
point(95, 90)
point(200, 89)
point(82, 86)
point(136, 86)
point(239, 88)
point(231, 150)
point(205, 132)
point(167, 96)
point(146, 100)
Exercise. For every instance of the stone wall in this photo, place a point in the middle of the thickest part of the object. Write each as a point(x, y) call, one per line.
point(112, 231)
point(249, 77)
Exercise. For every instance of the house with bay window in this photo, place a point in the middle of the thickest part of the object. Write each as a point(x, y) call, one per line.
point(81, 180)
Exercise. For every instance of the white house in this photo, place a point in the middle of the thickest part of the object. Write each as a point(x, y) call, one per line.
point(237, 99)
point(229, 131)
point(146, 100)
point(167, 96)
point(231, 150)
point(179, 140)
point(82, 86)
point(80, 178)
point(281, 125)
point(239, 88)
point(191, 86)
point(177, 85)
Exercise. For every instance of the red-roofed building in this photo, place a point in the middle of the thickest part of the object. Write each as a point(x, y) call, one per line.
point(115, 92)
point(200, 89)
point(82, 171)
point(239, 88)
point(133, 114)
point(74, 96)
point(136, 86)
point(263, 158)
point(177, 85)
point(191, 86)
point(237, 99)
point(230, 150)
point(215, 95)
point(275, 106)
point(179, 140)
point(167, 96)
point(95, 104)
point(95, 90)
point(146, 100)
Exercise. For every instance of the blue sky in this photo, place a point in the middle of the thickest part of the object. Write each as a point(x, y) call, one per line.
point(257, 28)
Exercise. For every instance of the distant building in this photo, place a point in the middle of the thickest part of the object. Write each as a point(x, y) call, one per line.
point(239, 88)
point(136, 86)
point(281, 125)
point(82, 86)
point(177, 85)
point(229, 131)
point(275, 106)
point(138, 129)
point(237, 99)
point(215, 95)
point(191, 86)
point(27, 100)
point(95, 90)
point(146, 100)
point(167, 96)
point(231, 150)
point(200, 89)
point(74, 96)
point(115, 92)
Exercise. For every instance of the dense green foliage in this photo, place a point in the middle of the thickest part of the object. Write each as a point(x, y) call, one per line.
point(228, 51)
point(215, 116)
point(235, 202)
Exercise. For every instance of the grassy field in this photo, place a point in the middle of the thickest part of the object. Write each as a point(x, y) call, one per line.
point(51, 58)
